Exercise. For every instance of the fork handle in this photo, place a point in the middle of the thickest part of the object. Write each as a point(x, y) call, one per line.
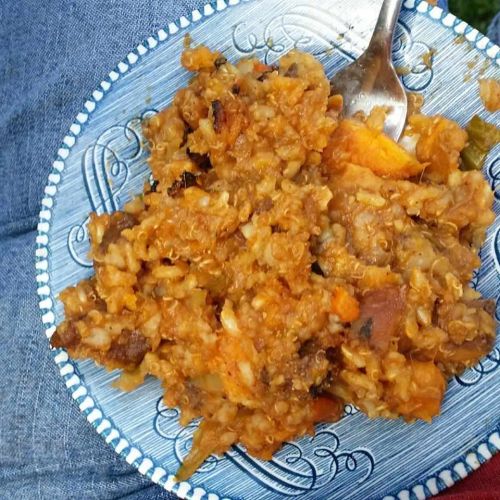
point(381, 40)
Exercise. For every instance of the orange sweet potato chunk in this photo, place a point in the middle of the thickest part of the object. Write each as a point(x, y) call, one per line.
point(489, 92)
point(426, 392)
point(355, 142)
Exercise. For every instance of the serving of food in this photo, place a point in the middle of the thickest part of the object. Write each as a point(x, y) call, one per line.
point(286, 260)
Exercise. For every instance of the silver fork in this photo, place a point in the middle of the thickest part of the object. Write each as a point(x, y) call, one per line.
point(371, 80)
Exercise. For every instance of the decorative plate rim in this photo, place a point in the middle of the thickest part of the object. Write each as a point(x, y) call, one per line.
point(459, 468)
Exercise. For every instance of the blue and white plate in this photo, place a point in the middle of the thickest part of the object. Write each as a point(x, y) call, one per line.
point(102, 163)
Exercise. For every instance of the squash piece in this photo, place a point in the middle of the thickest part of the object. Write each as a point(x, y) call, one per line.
point(326, 409)
point(425, 395)
point(439, 144)
point(344, 305)
point(355, 142)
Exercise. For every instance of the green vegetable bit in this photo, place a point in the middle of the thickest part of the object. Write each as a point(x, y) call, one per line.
point(473, 157)
point(482, 137)
point(484, 134)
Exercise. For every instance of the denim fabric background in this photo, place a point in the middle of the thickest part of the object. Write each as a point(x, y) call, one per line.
point(52, 55)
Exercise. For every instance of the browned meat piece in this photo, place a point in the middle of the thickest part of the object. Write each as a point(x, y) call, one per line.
point(219, 115)
point(129, 348)
point(381, 312)
point(118, 222)
point(66, 336)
